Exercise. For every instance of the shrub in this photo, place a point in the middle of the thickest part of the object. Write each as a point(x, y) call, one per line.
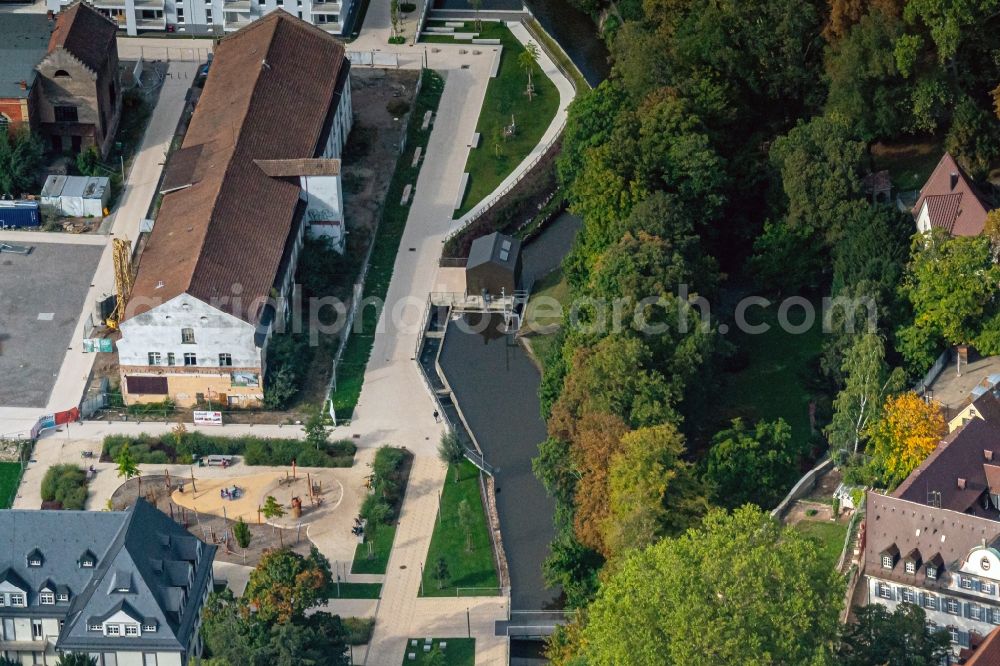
point(359, 629)
point(397, 107)
point(65, 484)
point(164, 449)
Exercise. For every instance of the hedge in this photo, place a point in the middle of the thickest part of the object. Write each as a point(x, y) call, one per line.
point(169, 448)
point(65, 484)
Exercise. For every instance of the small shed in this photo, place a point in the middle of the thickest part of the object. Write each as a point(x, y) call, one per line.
point(77, 196)
point(19, 214)
point(494, 266)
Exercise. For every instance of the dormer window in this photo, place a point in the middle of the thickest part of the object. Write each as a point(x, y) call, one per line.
point(966, 583)
point(88, 560)
point(61, 74)
point(932, 572)
point(149, 627)
point(17, 599)
point(131, 630)
point(887, 561)
point(62, 597)
point(113, 630)
point(35, 558)
point(95, 627)
point(911, 567)
point(46, 598)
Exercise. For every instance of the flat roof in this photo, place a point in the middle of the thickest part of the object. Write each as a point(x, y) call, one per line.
point(24, 41)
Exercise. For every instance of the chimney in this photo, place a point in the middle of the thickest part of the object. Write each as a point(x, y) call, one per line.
point(988, 455)
point(961, 483)
point(954, 179)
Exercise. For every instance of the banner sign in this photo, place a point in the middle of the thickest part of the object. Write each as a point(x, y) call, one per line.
point(207, 418)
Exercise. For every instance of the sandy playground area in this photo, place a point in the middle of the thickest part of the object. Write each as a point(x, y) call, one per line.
point(216, 495)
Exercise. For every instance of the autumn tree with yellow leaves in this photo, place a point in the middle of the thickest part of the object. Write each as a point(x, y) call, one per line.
point(907, 433)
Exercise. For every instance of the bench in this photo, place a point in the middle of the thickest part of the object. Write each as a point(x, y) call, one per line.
point(455, 24)
point(214, 460)
point(496, 63)
point(416, 156)
point(406, 194)
point(476, 136)
point(483, 40)
point(427, 120)
point(461, 190)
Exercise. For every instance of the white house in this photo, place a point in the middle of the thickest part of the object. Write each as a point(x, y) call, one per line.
point(217, 272)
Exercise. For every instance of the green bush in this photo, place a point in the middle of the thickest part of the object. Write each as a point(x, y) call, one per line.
point(65, 484)
point(359, 629)
point(397, 107)
point(165, 449)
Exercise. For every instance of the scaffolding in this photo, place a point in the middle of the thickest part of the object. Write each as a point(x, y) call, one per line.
point(121, 254)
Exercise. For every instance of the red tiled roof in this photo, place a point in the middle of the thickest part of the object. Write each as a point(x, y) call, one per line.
point(953, 202)
point(988, 652)
point(86, 33)
point(268, 94)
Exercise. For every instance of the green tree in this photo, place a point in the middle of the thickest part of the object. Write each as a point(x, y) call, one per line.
point(440, 572)
point(241, 532)
point(317, 433)
point(451, 452)
point(868, 382)
point(284, 585)
point(740, 589)
point(272, 509)
point(126, 463)
point(951, 284)
point(653, 490)
point(76, 659)
point(20, 156)
point(767, 453)
point(88, 162)
point(528, 61)
point(899, 638)
point(820, 165)
point(973, 137)
point(375, 511)
point(573, 567)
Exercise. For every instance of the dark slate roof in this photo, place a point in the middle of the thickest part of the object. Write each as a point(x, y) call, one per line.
point(494, 248)
point(232, 224)
point(127, 546)
point(988, 406)
point(961, 455)
point(940, 535)
point(24, 40)
point(86, 33)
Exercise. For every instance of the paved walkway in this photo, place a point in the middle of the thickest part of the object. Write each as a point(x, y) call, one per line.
point(394, 406)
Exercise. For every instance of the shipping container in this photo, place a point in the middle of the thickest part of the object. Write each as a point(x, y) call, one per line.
point(19, 214)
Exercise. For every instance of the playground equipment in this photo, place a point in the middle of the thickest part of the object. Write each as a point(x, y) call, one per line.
point(121, 255)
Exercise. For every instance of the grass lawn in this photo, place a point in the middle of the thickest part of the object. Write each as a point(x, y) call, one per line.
point(466, 568)
point(548, 302)
point(355, 590)
point(909, 163)
point(459, 652)
point(777, 379)
point(10, 478)
point(830, 537)
point(506, 97)
point(377, 563)
point(351, 369)
point(491, 30)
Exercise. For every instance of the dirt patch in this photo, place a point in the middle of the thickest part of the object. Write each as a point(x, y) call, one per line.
point(213, 529)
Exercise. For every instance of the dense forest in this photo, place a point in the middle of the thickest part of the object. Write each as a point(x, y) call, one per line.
point(727, 153)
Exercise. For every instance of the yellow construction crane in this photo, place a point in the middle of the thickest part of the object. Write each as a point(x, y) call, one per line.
point(121, 254)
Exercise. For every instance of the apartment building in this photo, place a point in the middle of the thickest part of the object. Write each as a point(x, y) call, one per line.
point(125, 587)
point(215, 17)
point(259, 168)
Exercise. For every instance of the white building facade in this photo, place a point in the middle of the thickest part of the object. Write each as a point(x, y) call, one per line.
point(214, 17)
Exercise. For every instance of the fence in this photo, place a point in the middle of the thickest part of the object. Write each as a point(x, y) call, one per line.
point(496, 197)
point(374, 58)
point(933, 373)
point(129, 51)
point(803, 487)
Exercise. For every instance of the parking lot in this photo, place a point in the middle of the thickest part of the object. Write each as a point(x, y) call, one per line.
point(41, 297)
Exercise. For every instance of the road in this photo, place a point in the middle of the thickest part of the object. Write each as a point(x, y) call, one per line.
point(394, 406)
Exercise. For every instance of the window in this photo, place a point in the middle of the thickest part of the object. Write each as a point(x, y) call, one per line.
point(993, 615)
point(887, 561)
point(171, 359)
point(113, 630)
point(47, 598)
point(154, 358)
point(986, 588)
point(187, 336)
point(953, 634)
point(190, 359)
point(63, 596)
point(180, 15)
point(149, 659)
point(908, 595)
point(131, 630)
point(66, 114)
point(3, 599)
point(17, 599)
point(932, 572)
point(930, 601)
point(952, 606)
point(225, 359)
point(35, 562)
point(149, 627)
point(208, 16)
point(966, 583)
point(36, 630)
point(87, 563)
point(976, 611)
point(884, 591)
point(61, 74)
point(95, 627)
point(4, 122)
point(911, 567)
